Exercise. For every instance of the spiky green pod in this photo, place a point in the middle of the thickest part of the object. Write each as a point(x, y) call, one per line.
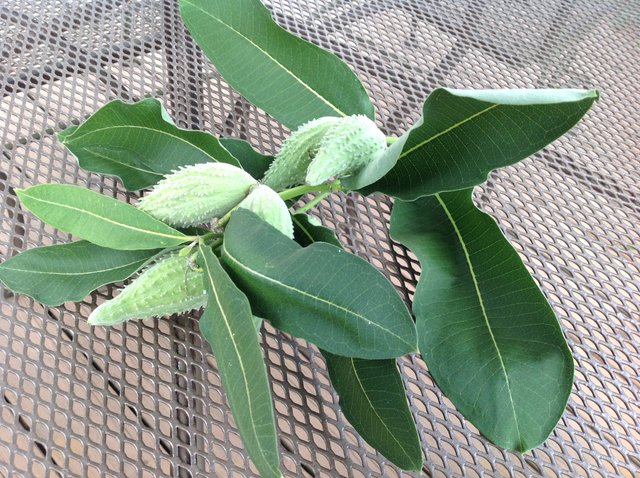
point(267, 204)
point(290, 164)
point(170, 286)
point(349, 145)
point(198, 193)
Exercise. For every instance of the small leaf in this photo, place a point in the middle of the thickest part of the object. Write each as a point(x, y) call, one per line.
point(56, 274)
point(463, 135)
point(139, 143)
point(99, 219)
point(488, 335)
point(373, 399)
point(320, 293)
point(308, 230)
point(253, 162)
point(291, 79)
point(227, 324)
point(371, 392)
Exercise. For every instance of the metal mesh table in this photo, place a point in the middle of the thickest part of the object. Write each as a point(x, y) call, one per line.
point(144, 399)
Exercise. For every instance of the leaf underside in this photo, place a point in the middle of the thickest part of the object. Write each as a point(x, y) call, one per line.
point(465, 134)
point(486, 331)
point(69, 272)
point(97, 218)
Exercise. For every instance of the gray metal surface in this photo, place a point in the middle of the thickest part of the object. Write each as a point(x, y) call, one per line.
point(144, 399)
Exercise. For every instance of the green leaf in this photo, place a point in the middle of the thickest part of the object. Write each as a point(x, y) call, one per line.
point(99, 219)
point(227, 324)
point(371, 392)
point(253, 162)
point(139, 143)
point(291, 79)
point(463, 135)
point(373, 399)
point(488, 335)
point(307, 230)
point(56, 274)
point(320, 293)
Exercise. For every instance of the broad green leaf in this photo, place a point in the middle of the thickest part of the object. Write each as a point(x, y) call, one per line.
point(464, 134)
point(139, 143)
point(371, 392)
point(488, 335)
point(373, 399)
point(56, 274)
point(253, 162)
point(320, 293)
point(291, 79)
point(99, 219)
point(227, 324)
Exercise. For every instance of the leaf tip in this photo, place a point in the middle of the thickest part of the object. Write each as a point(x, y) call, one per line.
point(416, 465)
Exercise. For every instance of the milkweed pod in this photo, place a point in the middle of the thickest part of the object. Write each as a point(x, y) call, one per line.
point(170, 286)
point(290, 164)
point(267, 204)
point(195, 194)
point(349, 145)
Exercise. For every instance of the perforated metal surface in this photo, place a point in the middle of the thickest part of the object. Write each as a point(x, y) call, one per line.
point(145, 400)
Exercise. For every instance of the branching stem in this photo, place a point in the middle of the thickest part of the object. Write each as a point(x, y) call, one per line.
point(314, 202)
point(304, 189)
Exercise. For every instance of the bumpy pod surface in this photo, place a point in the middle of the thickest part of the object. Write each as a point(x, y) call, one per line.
point(267, 204)
point(349, 145)
point(197, 193)
point(290, 164)
point(170, 286)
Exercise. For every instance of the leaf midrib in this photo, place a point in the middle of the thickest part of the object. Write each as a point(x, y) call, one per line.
point(322, 98)
point(126, 226)
point(483, 309)
point(375, 411)
point(99, 130)
point(239, 356)
point(448, 130)
point(75, 273)
point(313, 297)
point(107, 158)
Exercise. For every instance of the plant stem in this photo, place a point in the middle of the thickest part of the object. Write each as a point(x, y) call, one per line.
point(304, 189)
point(216, 243)
point(209, 235)
point(225, 218)
point(313, 202)
point(391, 140)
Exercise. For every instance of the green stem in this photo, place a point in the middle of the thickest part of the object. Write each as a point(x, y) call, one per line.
point(209, 235)
point(391, 140)
point(314, 202)
point(215, 244)
point(225, 219)
point(304, 189)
